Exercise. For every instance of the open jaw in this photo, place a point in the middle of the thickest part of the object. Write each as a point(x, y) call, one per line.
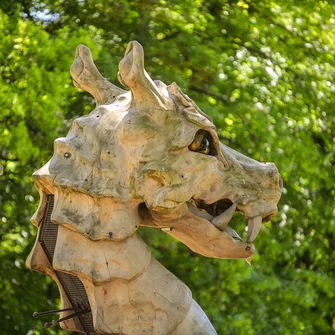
point(221, 212)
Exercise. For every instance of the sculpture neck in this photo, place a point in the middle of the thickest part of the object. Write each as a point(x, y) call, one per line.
point(97, 218)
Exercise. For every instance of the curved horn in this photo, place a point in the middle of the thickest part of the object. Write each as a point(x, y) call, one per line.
point(87, 77)
point(133, 75)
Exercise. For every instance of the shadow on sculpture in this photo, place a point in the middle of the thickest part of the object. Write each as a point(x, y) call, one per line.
point(150, 157)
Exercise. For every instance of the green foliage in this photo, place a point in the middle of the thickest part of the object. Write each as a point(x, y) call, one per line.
point(263, 70)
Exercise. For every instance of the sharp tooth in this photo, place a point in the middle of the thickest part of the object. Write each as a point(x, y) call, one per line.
point(254, 225)
point(248, 260)
point(223, 219)
point(201, 213)
point(232, 232)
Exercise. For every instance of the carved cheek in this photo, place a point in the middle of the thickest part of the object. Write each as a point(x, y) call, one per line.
point(210, 182)
point(137, 129)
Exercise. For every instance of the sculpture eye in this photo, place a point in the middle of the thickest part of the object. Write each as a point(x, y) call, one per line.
point(203, 143)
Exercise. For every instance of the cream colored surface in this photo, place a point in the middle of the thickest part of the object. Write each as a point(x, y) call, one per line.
point(128, 164)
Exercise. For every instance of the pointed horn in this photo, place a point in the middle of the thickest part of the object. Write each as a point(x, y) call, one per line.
point(133, 75)
point(87, 77)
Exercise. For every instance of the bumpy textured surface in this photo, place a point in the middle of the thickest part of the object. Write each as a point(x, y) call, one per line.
point(135, 160)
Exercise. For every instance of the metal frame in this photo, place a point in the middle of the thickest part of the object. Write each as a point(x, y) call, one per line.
point(72, 285)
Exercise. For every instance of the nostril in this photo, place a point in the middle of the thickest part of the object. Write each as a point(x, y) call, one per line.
point(281, 184)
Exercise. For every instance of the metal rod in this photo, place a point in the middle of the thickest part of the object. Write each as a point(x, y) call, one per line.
point(56, 322)
point(37, 314)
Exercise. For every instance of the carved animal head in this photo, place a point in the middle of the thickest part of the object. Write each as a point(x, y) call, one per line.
point(153, 148)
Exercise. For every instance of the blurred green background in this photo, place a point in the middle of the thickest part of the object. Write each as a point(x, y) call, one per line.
point(263, 70)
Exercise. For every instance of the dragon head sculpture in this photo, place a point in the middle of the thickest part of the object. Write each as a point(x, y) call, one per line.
point(150, 156)
point(153, 145)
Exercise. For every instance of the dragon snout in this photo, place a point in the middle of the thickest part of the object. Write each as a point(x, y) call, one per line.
point(261, 190)
point(275, 176)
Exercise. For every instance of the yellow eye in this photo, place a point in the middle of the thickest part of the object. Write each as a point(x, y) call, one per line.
point(202, 143)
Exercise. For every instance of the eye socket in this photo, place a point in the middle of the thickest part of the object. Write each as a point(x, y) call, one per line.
point(203, 143)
